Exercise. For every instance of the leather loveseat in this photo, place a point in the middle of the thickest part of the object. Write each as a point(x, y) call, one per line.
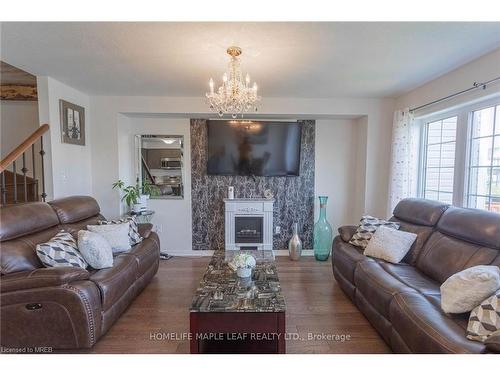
point(64, 307)
point(402, 301)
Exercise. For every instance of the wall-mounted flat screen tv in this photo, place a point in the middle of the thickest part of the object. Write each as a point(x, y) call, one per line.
point(253, 148)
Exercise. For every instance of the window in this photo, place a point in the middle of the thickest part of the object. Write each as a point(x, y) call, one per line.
point(439, 163)
point(484, 160)
point(460, 156)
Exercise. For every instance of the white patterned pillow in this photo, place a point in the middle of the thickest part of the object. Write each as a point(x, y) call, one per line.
point(484, 320)
point(60, 251)
point(95, 249)
point(464, 290)
point(116, 235)
point(367, 226)
point(133, 232)
point(390, 244)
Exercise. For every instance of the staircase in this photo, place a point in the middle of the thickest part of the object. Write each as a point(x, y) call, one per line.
point(22, 174)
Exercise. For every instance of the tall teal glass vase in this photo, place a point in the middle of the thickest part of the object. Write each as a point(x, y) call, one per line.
point(323, 235)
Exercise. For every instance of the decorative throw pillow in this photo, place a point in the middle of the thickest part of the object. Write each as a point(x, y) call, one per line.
point(466, 289)
point(60, 251)
point(367, 226)
point(115, 234)
point(484, 320)
point(133, 233)
point(95, 249)
point(390, 244)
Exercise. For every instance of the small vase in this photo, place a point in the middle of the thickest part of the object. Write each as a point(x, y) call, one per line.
point(137, 207)
point(244, 272)
point(295, 244)
point(144, 201)
point(323, 234)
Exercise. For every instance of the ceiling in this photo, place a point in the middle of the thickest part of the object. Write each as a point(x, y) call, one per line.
point(287, 59)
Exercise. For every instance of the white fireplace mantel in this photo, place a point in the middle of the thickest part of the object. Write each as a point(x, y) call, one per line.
point(249, 207)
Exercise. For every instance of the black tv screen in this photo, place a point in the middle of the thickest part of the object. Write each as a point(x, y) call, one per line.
point(253, 148)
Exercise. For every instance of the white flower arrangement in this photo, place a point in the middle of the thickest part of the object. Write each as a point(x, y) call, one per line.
point(242, 260)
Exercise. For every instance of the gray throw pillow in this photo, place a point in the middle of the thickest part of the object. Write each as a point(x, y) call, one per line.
point(95, 249)
point(115, 234)
point(367, 226)
point(60, 251)
point(133, 233)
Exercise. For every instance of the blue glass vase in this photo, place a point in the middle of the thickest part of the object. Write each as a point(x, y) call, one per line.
point(323, 234)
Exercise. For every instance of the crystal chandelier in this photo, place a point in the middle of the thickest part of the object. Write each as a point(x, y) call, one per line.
point(235, 96)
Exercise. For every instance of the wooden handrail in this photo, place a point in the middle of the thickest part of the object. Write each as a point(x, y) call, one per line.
point(19, 150)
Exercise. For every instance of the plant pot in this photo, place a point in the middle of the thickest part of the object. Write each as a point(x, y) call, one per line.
point(143, 200)
point(137, 207)
point(244, 272)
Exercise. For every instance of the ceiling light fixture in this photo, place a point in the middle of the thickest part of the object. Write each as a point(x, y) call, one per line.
point(236, 96)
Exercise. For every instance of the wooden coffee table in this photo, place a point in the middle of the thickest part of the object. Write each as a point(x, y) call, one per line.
point(233, 315)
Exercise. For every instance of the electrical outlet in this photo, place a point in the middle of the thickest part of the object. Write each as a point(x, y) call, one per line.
point(277, 230)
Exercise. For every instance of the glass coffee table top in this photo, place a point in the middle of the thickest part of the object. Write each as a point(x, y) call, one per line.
point(221, 290)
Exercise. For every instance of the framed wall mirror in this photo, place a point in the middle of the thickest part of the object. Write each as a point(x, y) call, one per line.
point(160, 162)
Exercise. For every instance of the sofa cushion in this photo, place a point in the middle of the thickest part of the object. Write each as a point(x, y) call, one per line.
point(75, 208)
point(144, 229)
point(423, 233)
point(378, 286)
point(346, 257)
point(473, 225)
point(23, 219)
point(413, 278)
point(426, 329)
point(347, 231)
point(420, 211)
point(42, 278)
point(146, 253)
point(443, 256)
point(20, 254)
point(493, 343)
point(114, 282)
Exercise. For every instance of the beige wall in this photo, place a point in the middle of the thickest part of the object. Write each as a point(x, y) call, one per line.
point(107, 112)
point(68, 167)
point(18, 119)
point(480, 70)
point(340, 171)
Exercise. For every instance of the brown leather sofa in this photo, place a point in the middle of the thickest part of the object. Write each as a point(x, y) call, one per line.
point(402, 301)
point(66, 307)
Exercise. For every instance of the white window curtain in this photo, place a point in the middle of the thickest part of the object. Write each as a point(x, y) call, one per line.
point(404, 158)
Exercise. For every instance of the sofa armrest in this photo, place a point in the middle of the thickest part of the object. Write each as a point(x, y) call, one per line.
point(145, 229)
point(493, 343)
point(41, 277)
point(347, 231)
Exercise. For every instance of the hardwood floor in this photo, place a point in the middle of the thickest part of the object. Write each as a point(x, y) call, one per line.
point(315, 305)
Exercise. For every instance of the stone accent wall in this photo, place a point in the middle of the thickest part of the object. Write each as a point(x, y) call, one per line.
point(294, 196)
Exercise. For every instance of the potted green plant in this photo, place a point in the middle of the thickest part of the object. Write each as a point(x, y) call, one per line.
point(148, 190)
point(130, 194)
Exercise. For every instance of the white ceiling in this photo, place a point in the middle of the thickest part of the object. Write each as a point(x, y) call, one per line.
point(287, 59)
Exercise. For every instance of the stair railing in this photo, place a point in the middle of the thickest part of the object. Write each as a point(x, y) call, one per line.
point(12, 159)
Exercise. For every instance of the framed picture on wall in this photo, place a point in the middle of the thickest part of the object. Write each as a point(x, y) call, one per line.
point(72, 123)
